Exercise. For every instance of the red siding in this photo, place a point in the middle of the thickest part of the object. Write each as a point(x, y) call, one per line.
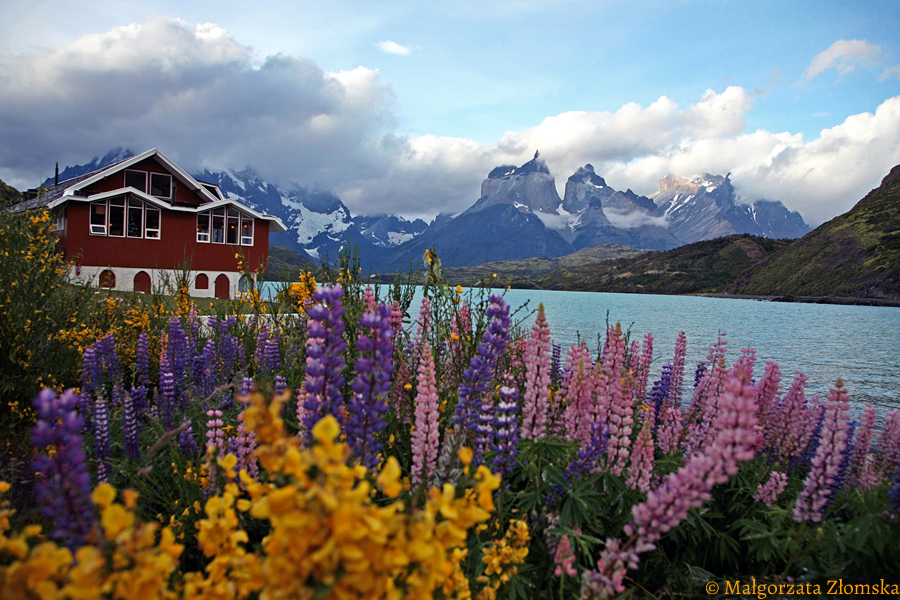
point(178, 240)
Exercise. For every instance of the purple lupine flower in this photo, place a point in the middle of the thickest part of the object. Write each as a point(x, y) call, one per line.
point(168, 395)
point(689, 487)
point(325, 357)
point(641, 460)
point(262, 337)
point(245, 448)
point(280, 385)
point(371, 385)
point(205, 369)
point(246, 386)
point(101, 439)
point(63, 487)
point(659, 393)
point(769, 491)
point(177, 353)
point(506, 428)
point(812, 435)
point(107, 354)
point(817, 487)
point(476, 379)
point(272, 352)
point(537, 379)
point(139, 400)
point(130, 427)
point(894, 491)
point(585, 462)
point(187, 441)
point(678, 371)
point(426, 435)
point(843, 472)
point(142, 360)
point(555, 365)
point(863, 441)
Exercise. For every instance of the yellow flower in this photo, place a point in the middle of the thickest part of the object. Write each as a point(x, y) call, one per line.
point(466, 455)
point(459, 289)
point(389, 478)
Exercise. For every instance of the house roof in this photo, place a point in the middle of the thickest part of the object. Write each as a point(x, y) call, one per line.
point(73, 190)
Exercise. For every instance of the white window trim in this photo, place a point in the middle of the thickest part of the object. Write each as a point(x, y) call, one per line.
point(252, 229)
point(146, 178)
point(150, 184)
point(208, 233)
point(147, 230)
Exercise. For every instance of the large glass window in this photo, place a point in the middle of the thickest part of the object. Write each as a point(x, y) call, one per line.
point(234, 220)
point(160, 185)
point(151, 230)
point(98, 218)
point(246, 230)
point(116, 223)
point(136, 179)
point(203, 227)
point(135, 218)
point(218, 226)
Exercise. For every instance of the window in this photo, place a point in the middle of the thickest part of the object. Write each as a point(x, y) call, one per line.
point(234, 219)
point(203, 227)
point(98, 218)
point(136, 179)
point(225, 226)
point(116, 222)
point(218, 226)
point(151, 228)
point(161, 185)
point(246, 230)
point(59, 222)
point(135, 218)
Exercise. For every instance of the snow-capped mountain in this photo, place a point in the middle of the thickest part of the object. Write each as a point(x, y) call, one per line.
point(387, 231)
point(706, 206)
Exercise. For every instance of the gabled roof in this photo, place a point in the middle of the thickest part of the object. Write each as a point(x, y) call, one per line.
point(71, 190)
point(161, 158)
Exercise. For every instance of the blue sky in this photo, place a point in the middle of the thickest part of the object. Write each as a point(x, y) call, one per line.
point(405, 107)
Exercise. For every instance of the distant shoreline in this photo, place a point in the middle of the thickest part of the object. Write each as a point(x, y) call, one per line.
point(843, 300)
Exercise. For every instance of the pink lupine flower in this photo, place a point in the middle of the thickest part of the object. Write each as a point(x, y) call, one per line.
point(641, 367)
point(426, 435)
point(369, 299)
point(669, 431)
point(537, 380)
point(689, 487)
point(577, 353)
point(863, 441)
point(424, 320)
point(677, 384)
point(817, 487)
point(584, 395)
point(768, 390)
point(564, 559)
point(745, 363)
point(641, 461)
point(215, 434)
point(889, 452)
point(396, 320)
point(786, 424)
point(768, 492)
point(619, 421)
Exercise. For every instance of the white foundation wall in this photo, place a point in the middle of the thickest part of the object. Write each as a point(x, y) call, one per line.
point(160, 279)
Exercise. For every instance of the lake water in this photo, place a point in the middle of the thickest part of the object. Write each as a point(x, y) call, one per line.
point(860, 344)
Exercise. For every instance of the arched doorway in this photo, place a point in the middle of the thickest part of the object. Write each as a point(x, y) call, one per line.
point(202, 282)
point(107, 279)
point(142, 282)
point(222, 287)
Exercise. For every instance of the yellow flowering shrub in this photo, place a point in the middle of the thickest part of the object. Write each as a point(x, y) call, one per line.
point(300, 293)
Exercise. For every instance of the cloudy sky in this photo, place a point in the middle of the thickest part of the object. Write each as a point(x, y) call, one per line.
point(404, 107)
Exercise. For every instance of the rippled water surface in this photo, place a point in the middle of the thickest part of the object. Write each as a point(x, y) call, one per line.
point(860, 344)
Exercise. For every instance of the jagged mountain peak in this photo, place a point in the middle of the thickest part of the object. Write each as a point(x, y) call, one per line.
point(586, 174)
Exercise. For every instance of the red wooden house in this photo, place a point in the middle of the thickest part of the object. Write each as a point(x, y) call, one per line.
point(133, 224)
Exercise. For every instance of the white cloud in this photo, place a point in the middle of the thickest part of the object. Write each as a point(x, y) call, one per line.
point(394, 48)
point(890, 72)
point(205, 100)
point(843, 56)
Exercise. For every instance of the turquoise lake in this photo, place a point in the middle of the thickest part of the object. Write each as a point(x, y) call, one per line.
point(860, 344)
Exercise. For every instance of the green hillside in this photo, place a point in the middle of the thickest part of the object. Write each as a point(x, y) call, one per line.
point(285, 264)
point(8, 195)
point(856, 254)
point(524, 273)
point(706, 267)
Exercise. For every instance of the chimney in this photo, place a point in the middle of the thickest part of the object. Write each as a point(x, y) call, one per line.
point(57, 174)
